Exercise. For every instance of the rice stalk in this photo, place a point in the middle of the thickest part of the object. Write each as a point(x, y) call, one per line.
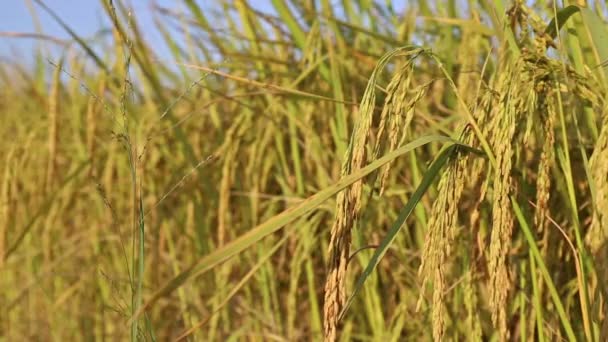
point(297, 74)
point(92, 122)
point(472, 236)
point(7, 210)
point(397, 114)
point(440, 237)
point(522, 92)
point(229, 152)
point(503, 132)
point(53, 128)
point(546, 116)
point(348, 203)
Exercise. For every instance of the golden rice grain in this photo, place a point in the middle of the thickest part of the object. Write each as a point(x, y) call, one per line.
point(597, 236)
point(547, 113)
point(439, 239)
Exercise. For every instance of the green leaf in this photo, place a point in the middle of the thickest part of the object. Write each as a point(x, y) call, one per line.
point(598, 34)
point(560, 19)
point(595, 28)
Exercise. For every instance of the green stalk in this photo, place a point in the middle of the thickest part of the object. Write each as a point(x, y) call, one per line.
point(525, 228)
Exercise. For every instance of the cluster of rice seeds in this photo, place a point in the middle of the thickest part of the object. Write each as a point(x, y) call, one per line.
point(546, 112)
point(348, 202)
point(526, 91)
point(223, 212)
point(486, 97)
point(505, 116)
point(478, 171)
point(394, 111)
point(479, 168)
point(440, 237)
point(502, 226)
point(470, 297)
point(597, 236)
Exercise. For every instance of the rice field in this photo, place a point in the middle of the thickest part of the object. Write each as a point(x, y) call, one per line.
point(337, 171)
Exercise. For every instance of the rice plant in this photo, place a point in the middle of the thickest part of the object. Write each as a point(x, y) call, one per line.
point(310, 170)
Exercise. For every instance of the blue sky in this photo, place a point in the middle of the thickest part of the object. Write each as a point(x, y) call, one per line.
point(86, 17)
